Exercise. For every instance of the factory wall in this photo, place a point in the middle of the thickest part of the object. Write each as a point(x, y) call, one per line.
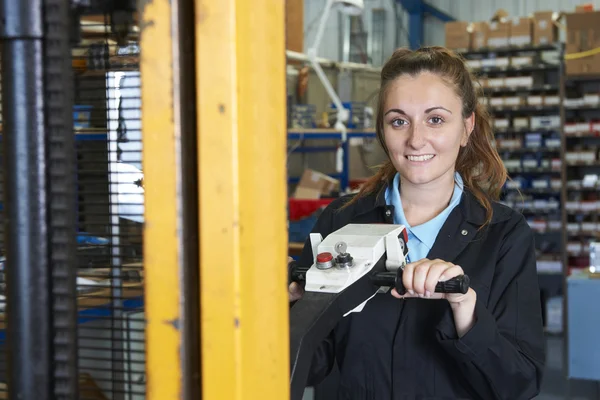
point(397, 31)
point(364, 156)
point(480, 10)
point(331, 44)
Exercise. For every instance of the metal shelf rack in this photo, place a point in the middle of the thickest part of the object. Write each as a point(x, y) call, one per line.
point(328, 134)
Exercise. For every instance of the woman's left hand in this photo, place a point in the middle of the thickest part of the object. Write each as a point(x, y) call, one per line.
point(421, 277)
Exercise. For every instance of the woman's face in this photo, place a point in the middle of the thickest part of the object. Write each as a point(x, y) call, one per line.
point(424, 127)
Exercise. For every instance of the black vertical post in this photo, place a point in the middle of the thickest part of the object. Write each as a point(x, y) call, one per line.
point(61, 183)
point(27, 313)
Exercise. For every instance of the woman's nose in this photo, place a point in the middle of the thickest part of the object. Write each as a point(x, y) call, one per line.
point(416, 139)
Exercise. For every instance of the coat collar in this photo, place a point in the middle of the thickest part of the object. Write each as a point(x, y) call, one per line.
point(472, 211)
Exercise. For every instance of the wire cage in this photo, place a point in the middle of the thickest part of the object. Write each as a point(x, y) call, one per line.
point(110, 208)
point(92, 186)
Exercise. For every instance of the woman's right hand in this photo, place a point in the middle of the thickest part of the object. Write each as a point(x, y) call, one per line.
point(295, 291)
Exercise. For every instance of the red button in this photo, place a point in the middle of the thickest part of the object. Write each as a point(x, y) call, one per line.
point(324, 257)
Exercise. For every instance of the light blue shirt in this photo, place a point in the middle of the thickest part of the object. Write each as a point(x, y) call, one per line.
point(421, 237)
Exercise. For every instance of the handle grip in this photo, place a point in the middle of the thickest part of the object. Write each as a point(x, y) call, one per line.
point(458, 284)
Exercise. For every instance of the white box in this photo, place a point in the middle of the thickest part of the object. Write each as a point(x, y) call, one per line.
point(587, 156)
point(512, 101)
point(552, 143)
point(519, 81)
point(501, 123)
point(488, 63)
point(555, 225)
point(584, 127)
point(538, 225)
point(552, 100)
point(574, 247)
point(521, 61)
point(496, 82)
point(512, 163)
point(474, 64)
point(497, 101)
point(502, 62)
point(574, 102)
point(540, 184)
point(540, 204)
point(535, 100)
point(521, 122)
point(573, 227)
point(570, 128)
point(572, 156)
point(588, 226)
point(513, 184)
point(573, 206)
point(556, 163)
point(545, 122)
point(591, 99)
point(530, 163)
point(588, 206)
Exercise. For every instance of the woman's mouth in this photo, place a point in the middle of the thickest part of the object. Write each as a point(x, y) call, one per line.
point(420, 158)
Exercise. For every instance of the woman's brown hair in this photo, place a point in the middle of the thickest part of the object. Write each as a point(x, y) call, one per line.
point(478, 163)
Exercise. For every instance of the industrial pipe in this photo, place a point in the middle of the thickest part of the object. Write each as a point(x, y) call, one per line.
point(26, 228)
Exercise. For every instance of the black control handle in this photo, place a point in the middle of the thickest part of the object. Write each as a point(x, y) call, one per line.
point(296, 272)
point(458, 284)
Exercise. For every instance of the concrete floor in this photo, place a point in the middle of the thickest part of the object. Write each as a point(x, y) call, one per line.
point(554, 386)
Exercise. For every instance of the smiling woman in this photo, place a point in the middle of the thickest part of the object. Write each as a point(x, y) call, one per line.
point(441, 181)
point(430, 124)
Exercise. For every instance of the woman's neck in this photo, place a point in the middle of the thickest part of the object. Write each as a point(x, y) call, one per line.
point(422, 203)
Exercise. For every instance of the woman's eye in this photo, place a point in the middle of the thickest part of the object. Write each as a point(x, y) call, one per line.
point(436, 120)
point(397, 123)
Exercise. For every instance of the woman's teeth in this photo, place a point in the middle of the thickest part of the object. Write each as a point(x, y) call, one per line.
point(420, 158)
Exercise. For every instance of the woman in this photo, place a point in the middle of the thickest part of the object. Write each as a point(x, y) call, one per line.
point(441, 181)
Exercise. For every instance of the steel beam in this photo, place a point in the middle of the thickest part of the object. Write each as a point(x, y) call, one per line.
point(417, 11)
point(165, 247)
point(240, 58)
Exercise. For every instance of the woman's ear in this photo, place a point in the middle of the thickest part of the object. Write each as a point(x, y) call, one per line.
point(469, 127)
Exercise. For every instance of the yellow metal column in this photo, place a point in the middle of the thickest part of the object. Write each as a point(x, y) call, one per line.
point(161, 236)
point(241, 102)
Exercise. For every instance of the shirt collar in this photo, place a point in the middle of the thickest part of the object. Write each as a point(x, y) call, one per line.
point(424, 231)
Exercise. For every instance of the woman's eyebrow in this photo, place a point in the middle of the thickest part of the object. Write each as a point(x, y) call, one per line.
point(399, 111)
point(437, 108)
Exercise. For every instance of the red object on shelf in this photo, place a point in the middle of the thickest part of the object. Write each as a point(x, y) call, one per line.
point(301, 208)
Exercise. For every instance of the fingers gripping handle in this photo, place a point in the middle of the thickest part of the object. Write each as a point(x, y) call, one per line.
point(458, 284)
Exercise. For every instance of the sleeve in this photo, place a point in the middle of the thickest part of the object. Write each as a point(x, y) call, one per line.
point(503, 355)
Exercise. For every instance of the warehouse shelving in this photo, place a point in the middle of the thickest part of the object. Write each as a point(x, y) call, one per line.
point(523, 76)
point(300, 135)
point(581, 158)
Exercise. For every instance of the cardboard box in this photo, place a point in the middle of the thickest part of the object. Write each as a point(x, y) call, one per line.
point(521, 31)
point(458, 36)
point(314, 184)
point(479, 35)
point(588, 7)
point(583, 34)
point(498, 34)
point(294, 25)
point(545, 30)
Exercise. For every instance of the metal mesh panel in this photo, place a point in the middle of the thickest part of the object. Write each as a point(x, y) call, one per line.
point(3, 348)
point(109, 209)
